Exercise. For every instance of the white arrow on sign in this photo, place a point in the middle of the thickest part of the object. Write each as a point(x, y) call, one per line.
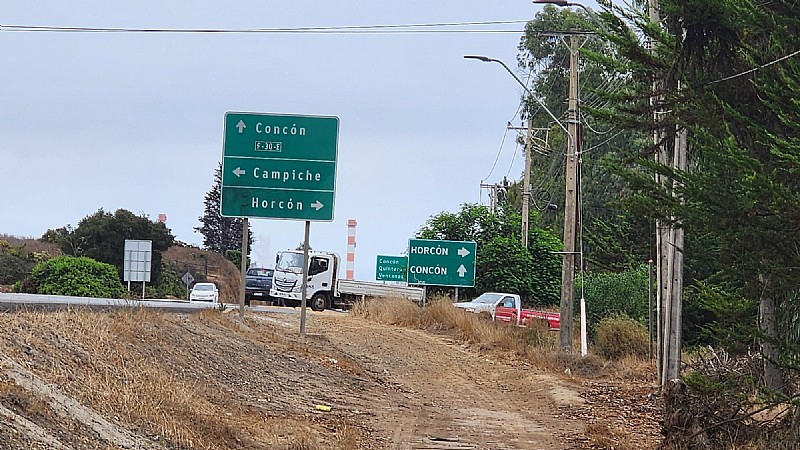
point(462, 271)
point(241, 126)
point(317, 205)
point(462, 252)
point(238, 172)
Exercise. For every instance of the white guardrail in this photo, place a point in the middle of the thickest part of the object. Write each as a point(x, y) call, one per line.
point(12, 299)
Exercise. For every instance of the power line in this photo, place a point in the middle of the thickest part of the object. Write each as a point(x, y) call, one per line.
point(349, 29)
point(500, 150)
point(783, 58)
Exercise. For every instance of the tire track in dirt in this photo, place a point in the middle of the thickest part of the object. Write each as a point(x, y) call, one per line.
point(446, 397)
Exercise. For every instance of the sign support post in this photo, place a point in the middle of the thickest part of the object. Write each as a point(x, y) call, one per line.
point(243, 264)
point(303, 296)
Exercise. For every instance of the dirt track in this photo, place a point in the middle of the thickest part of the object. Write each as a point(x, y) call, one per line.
point(438, 395)
point(209, 381)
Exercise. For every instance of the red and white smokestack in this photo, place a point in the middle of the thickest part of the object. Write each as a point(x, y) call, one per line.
point(351, 248)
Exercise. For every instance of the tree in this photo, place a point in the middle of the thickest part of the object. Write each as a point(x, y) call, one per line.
point(102, 237)
point(727, 80)
point(220, 234)
point(503, 263)
point(547, 55)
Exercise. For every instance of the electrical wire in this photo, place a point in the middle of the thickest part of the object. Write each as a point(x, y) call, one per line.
point(500, 150)
point(602, 143)
point(783, 58)
point(348, 29)
point(516, 149)
point(585, 122)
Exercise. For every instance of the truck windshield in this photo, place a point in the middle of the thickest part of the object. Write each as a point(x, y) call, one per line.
point(290, 262)
point(488, 297)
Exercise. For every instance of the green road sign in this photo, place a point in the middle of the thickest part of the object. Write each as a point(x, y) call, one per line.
point(391, 268)
point(441, 263)
point(279, 166)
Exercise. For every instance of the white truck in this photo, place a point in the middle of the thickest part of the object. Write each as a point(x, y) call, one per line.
point(325, 290)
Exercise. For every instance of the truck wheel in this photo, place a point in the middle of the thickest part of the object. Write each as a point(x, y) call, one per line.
point(319, 302)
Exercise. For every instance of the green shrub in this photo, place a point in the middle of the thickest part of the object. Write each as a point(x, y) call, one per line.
point(234, 256)
point(619, 336)
point(83, 277)
point(612, 294)
point(170, 284)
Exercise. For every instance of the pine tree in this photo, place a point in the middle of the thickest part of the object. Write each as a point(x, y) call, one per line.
point(220, 233)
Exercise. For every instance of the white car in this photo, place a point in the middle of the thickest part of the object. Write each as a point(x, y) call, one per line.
point(484, 302)
point(204, 292)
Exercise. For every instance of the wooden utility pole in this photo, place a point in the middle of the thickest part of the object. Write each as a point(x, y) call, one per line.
point(570, 203)
point(526, 184)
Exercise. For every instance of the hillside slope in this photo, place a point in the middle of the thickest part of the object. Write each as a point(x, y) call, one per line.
point(136, 379)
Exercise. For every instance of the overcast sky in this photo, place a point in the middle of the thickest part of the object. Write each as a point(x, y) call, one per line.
point(135, 120)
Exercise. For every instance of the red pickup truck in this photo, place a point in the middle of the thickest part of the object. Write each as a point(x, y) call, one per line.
point(509, 310)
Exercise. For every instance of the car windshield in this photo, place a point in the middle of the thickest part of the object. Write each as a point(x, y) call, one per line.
point(204, 287)
point(289, 261)
point(488, 297)
point(259, 272)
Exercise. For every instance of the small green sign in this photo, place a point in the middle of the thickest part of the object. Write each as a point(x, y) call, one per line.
point(441, 263)
point(391, 268)
point(279, 166)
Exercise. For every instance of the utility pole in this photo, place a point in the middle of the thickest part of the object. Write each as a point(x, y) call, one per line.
point(526, 184)
point(669, 239)
point(570, 202)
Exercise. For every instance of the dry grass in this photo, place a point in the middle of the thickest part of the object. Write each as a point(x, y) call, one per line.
point(608, 437)
point(537, 344)
point(116, 363)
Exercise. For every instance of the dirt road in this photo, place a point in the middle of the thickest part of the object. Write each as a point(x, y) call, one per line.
point(432, 393)
point(209, 381)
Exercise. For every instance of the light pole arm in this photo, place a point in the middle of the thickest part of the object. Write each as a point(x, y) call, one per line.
point(562, 3)
point(530, 94)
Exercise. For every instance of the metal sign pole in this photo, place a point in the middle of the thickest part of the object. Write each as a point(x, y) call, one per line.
point(305, 281)
point(243, 272)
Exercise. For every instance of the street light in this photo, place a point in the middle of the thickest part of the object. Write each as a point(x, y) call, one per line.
point(565, 3)
point(526, 189)
point(530, 94)
point(570, 198)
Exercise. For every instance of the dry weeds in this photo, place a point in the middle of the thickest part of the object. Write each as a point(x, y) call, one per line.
point(536, 345)
point(116, 363)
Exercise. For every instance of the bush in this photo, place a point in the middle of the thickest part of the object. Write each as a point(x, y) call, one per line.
point(83, 277)
point(620, 336)
point(613, 294)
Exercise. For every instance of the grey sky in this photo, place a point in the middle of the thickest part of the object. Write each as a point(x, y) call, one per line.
point(135, 121)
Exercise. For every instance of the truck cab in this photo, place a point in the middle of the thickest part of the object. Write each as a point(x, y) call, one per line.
point(287, 281)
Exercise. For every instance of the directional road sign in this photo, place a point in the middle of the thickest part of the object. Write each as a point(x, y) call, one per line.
point(391, 268)
point(279, 166)
point(441, 263)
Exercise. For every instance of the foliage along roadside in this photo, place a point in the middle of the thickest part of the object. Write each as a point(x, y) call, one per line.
point(74, 276)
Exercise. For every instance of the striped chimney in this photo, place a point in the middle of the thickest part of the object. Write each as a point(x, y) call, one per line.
point(351, 248)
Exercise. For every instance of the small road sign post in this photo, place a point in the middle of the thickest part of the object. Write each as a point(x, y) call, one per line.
point(187, 279)
point(279, 166)
point(391, 268)
point(441, 263)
